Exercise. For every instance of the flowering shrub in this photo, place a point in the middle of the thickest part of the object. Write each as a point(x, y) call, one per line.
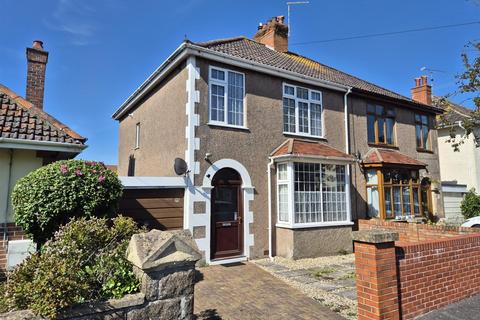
point(84, 261)
point(50, 196)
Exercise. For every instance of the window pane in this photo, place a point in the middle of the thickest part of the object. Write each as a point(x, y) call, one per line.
point(302, 93)
point(289, 90)
point(407, 211)
point(372, 177)
point(416, 205)
point(389, 125)
point(282, 172)
point(371, 128)
point(288, 115)
point(379, 110)
point(316, 119)
point(303, 117)
point(307, 193)
point(381, 130)
point(388, 203)
point(283, 202)
point(390, 112)
point(316, 96)
point(217, 103)
point(218, 74)
point(397, 202)
point(235, 98)
point(418, 135)
point(333, 191)
point(424, 120)
point(426, 145)
point(418, 118)
point(373, 203)
point(370, 108)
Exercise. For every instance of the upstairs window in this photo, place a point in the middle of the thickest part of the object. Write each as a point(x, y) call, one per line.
point(380, 125)
point(422, 132)
point(302, 111)
point(227, 92)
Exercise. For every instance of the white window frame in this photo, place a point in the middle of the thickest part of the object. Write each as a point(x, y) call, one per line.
point(137, 135)
point(309, 101)
point(224, 84)
point(291, 224)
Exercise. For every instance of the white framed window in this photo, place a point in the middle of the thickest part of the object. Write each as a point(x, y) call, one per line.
point(137, 135)
point(302, 111)
point(226, 97)
point(312, 194)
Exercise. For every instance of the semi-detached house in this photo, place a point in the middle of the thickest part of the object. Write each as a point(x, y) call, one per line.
point(284, 153)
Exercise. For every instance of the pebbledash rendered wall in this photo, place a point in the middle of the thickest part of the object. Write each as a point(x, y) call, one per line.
point(403, 280)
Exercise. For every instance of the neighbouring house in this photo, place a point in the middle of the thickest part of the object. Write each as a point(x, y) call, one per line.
point(284, 153)
point(459, 169)
point(29, 139)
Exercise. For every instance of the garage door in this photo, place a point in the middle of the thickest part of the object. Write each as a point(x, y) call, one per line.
point(156, 208)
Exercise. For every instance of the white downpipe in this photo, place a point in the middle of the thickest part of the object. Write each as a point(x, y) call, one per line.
point(270, 232)
point(347, 151)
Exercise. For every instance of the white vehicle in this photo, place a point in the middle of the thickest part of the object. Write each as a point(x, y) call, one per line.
point(472, 222)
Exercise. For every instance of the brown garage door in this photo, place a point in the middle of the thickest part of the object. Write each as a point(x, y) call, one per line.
point(156, 208)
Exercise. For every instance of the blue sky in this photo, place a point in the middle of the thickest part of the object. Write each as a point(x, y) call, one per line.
point(101, 50)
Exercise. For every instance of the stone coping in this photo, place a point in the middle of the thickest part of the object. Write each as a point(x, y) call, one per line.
point(375, 236)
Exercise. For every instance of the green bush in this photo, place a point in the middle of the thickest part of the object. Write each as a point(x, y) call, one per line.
point(471, 204)
point(84, 261)
point(52, 195)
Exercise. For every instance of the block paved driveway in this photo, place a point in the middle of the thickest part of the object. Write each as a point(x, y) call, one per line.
point(244, 291)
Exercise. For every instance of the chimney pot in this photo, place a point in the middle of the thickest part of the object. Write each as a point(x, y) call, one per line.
point(37, 59)
point(422, 92)
point(274, 34)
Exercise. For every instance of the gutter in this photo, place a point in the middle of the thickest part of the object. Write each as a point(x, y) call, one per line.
point(9, 180)
point(41, 145)
point(270, 231)
point(347, 151)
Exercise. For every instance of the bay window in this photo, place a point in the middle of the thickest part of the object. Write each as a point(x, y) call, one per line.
point(302, 111)
point(226, 102)
point(311, 194)
point(396, 193)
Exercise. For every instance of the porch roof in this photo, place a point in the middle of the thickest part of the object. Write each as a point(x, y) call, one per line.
point(309, 149)
point(377, 156)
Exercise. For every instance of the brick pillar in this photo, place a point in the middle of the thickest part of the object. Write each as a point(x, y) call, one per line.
point(376, 272)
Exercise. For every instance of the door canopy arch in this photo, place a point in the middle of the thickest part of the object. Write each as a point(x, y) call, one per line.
point(224, 164)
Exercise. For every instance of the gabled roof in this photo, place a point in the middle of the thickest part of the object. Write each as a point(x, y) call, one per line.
point(21, 120)
point(452, 112)
point(242, 47)
point(390, 157)
point(309, 149)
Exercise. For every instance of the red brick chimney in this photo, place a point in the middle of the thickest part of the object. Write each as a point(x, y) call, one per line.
point(422, 92)
point(273, 34)
point(37, 59)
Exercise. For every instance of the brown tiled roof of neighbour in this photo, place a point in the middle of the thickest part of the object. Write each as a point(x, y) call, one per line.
point(244, 48)
point(299, 148)
point(452, 112)
point(387, 156)
point(19, 119)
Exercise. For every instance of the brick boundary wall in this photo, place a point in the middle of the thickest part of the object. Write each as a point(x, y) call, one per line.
point(415, 232)
point(398, 280)
point(14, 232)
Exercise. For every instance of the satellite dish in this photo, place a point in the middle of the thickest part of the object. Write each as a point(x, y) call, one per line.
point(180, 166)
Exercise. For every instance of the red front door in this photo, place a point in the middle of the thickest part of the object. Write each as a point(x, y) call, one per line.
point(227, 228)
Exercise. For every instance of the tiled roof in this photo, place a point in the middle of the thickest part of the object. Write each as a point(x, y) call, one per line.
point(452, 112)
point(242, 47)
point(387, 156)
point(304, 148)
point(19, 119)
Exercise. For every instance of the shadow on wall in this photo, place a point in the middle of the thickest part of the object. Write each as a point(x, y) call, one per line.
point(209, 314)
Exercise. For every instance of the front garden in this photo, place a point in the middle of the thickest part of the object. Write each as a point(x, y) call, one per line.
point(69, 210)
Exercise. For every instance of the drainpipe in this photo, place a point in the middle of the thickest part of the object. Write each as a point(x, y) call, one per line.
point(5, 229)
point(347, 151)
point(269, 168)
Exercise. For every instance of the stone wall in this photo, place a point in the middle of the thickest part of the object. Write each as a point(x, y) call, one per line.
point(164, 262)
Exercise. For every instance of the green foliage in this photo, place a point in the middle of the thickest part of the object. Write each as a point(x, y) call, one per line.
point(52, 195)
point(471, 205)
point(84, 261)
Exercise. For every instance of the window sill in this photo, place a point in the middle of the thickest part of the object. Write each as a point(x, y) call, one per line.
point(304, 135)
point(382, 145)
point(425, 150)
point(221, 124)
point(313, 225)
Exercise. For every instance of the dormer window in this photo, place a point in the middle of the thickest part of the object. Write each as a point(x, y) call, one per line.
point(302, 111)
point(227, 92)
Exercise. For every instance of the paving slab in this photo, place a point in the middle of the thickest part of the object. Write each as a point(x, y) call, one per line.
point(349, 294)
point(468, 309)
point(245, 291)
